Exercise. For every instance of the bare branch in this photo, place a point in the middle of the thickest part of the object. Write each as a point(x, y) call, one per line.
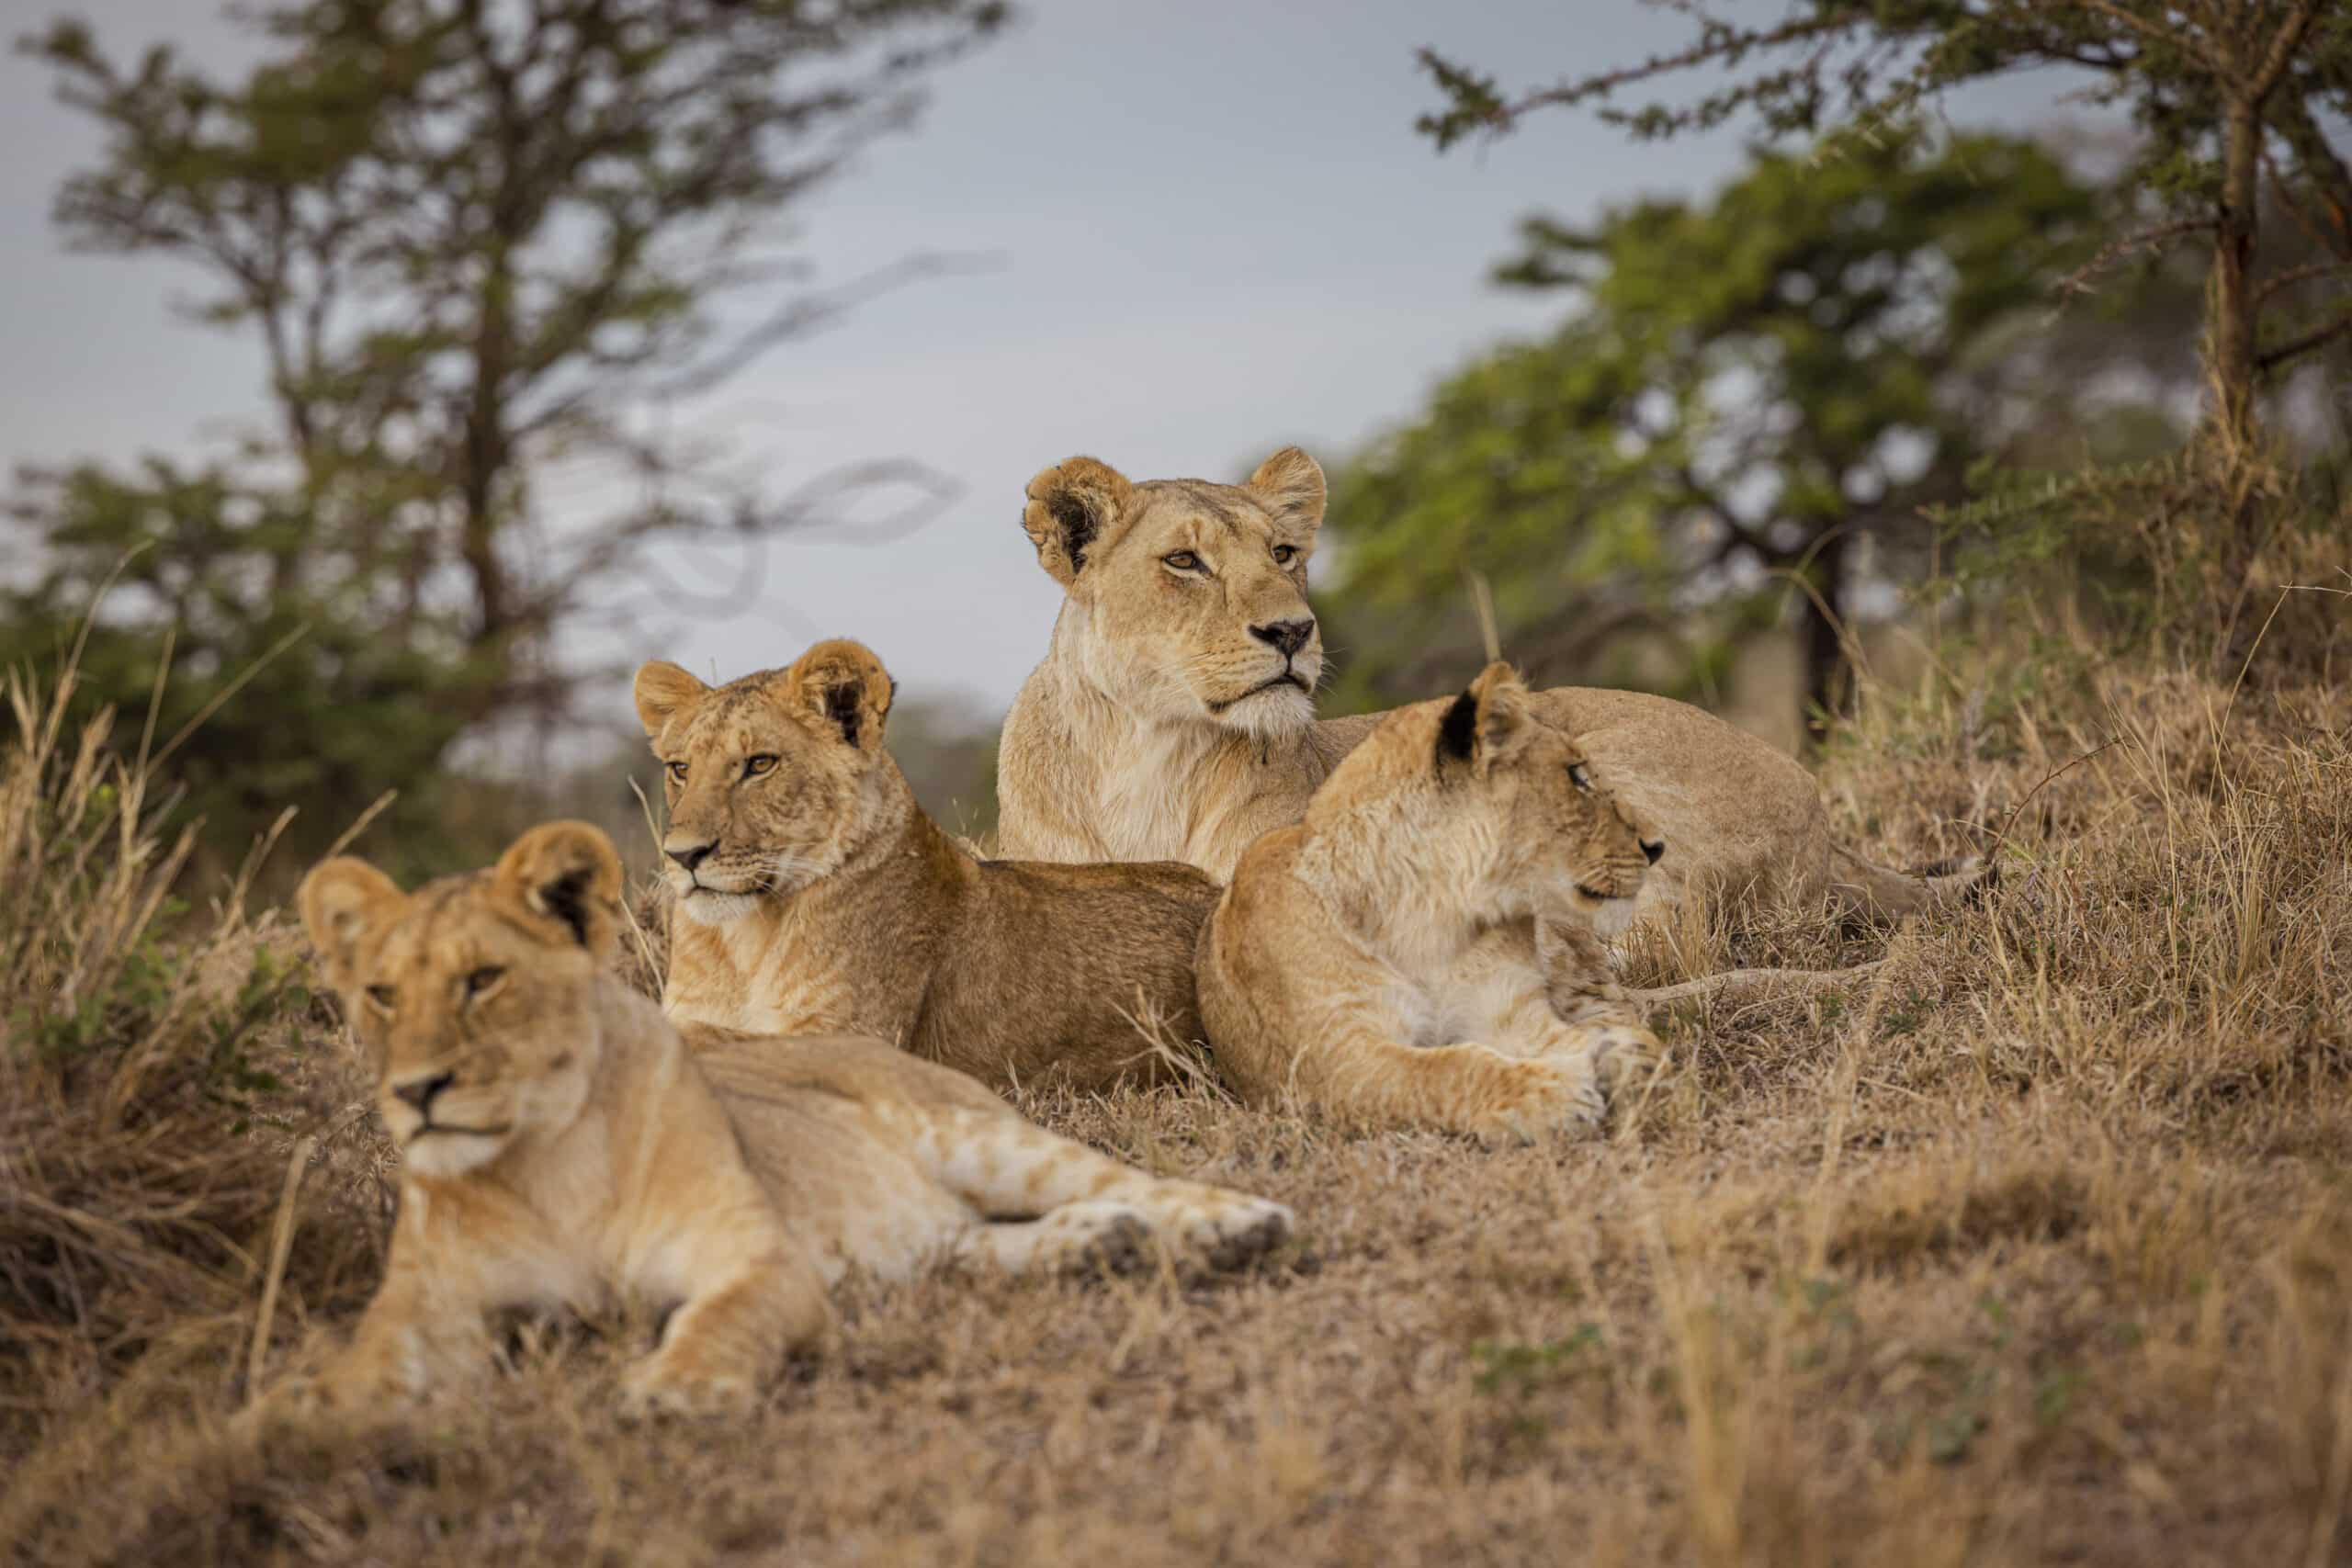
point(2162, 235)
point(2294, 348)
point(2299, 275)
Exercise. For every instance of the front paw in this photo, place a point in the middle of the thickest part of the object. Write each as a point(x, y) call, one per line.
point(1623, 1056)
point(1551, 1096)
point(661, 1388)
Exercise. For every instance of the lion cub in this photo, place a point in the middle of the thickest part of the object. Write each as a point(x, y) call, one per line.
point(812, 893)
point(1420, 951)
point(559, 1146)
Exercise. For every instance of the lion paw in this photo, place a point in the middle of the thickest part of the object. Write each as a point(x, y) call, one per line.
point(1101, 1239)
point(1625, 1055)
point(1237, 1231)
point(1562, 1095)
point(658, 1389)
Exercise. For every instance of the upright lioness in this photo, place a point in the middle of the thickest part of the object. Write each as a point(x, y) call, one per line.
point(559, 1146)
point(1420, 950)
point(811, 893)
point(1173, 717)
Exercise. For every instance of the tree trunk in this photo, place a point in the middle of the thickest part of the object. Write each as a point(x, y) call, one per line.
point(2233, 324)
point(1821, 622)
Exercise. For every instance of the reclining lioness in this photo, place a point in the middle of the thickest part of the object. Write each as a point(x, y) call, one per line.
point(812, 893)
point(559, 1146)
point(1173, 716)
point(1421, 950)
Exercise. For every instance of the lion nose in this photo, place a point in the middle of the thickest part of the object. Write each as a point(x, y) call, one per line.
point(419, 1093)
point(1654, 848)
point(689, 856)
point(1287, 636)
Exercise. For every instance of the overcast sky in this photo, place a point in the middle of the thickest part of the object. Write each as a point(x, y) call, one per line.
point(1217, 232)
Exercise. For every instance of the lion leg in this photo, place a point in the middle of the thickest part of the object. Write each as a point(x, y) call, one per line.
point(1862, 892)
point(721, 1342)
point(422, 1331)
point(1075, 1238)
point(1517, 1004)
point(1012, 1170)
point(1368, 1081)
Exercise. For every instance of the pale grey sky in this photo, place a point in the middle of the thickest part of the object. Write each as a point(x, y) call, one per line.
point(1218, 230)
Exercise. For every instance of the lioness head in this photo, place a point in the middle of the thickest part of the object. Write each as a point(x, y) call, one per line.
point(772, 780)
point(475, 997)
point(1187, 601)
point(1482, 795)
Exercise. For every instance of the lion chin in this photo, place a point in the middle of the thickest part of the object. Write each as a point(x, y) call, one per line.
point(1269, 711)
point(446, 1153)
point(711, 907)
point(1608, 917)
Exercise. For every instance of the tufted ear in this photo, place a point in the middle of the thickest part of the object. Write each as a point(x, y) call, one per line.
point(662, 688)
point(1488, 722)
point(844, 684)
point(568, 872)
point(340, 900)
point(1074, 512)
point(1291, 485)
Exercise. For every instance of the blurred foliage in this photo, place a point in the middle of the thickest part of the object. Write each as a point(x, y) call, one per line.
point(1751, 404)
point(2239, 106)
point(476, 245)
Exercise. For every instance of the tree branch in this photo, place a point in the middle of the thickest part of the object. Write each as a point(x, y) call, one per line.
point(2297, 346)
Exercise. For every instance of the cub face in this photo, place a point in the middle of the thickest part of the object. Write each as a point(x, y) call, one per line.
point(1510, 800)
point(1187, 601)
point(474, 996)
point(770, 780)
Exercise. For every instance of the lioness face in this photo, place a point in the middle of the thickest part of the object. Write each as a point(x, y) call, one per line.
point(1187, 601)
point(474, 996)
point(768, 778)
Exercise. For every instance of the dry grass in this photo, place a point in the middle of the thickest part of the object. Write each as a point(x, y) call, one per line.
point(2033, 1245)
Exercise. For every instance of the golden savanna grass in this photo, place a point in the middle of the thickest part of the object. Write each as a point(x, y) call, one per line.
point(2032, 1243)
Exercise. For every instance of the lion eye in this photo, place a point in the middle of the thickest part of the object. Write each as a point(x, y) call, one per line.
point(676, 771)
point(1183, 560)
point(1578, 777)
point(1285, 554)
point(755, 766)
point(381, 996)
point(483, 979)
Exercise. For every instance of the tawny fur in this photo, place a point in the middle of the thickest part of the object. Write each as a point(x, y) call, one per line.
point(1423, 950)
point(576, 1151)
point(829, 901)
point(1149, 731)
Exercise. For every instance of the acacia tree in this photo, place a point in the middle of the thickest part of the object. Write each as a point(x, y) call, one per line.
point(2235, 99)
point(1752, 393)
point(476, 241)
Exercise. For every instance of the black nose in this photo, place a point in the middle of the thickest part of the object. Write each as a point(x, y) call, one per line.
point(419, 1093)
point(1287, 636)
point(692, 856)
point(1654, 848)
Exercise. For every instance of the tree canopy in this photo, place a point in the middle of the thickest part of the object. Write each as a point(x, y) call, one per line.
point(476, 243)
point(1752, 396)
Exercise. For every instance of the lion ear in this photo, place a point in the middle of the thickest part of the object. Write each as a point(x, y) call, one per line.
point(342, 900)
point(568, 872)
point(1290, 483)
point(662, 689)
point(1488, 722)
point(1075, 510)
point(844, 684)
